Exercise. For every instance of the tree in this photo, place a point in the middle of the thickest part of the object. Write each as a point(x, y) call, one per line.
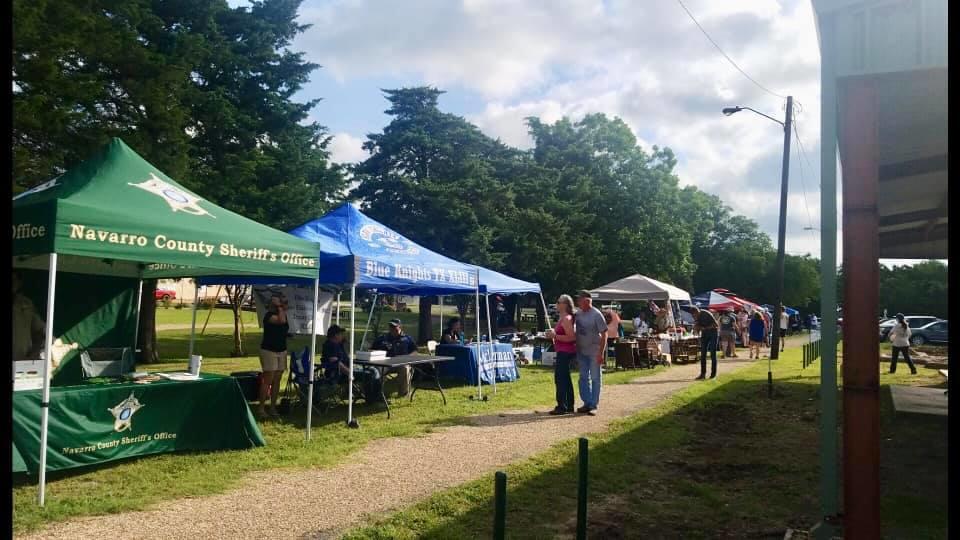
point(201, 90)
point(237, 296)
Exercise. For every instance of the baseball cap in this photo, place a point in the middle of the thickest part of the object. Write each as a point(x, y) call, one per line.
point(395, 322)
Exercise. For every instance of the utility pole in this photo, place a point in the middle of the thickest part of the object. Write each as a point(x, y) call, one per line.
point(781, 237)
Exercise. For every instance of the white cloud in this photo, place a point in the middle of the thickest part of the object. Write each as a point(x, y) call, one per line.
point(645, 62)
point(345, 148)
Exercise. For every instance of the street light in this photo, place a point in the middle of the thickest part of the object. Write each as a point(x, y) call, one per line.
point(781, 236)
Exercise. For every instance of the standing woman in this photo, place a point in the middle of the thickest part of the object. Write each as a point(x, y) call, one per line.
point(273, 351)
point(565, 345)
point(900, 339)
point(758, 329)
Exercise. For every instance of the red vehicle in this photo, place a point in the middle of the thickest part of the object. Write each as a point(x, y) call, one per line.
point(165, 294)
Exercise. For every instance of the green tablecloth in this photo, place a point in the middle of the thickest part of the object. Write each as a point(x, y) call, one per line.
point(98, 423)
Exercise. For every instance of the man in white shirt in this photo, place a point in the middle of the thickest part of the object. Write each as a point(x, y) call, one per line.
point(784, 326)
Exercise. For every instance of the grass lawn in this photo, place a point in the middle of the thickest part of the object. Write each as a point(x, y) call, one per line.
point(711, 462)
point(134, 484)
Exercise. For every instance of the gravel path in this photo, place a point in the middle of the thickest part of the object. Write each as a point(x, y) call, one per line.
point(376, 480)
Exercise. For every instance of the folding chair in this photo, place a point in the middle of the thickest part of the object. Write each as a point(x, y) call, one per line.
point(298, 383)
point(106, 362)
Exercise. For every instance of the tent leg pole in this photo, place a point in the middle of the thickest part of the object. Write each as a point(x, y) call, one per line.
point(313, 353)
point(193, 324)
point(490, 336)
point(338, 308)
point(373, 306)
point(353, 331)
point(440, 301)
point(136, 327)
point(47, 365)
point(546, 314)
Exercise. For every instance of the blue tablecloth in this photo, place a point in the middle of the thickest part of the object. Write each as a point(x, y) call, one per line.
point(500, 363)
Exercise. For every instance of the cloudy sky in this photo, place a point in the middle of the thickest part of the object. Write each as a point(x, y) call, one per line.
point(644, 61)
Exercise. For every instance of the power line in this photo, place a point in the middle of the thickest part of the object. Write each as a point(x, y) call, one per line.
point(734, 64)
point(803, 183)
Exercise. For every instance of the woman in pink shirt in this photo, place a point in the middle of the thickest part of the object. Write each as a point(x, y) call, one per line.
point(565, 345)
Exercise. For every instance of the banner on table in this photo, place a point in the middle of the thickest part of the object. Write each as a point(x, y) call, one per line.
point(98, 423)
point(300, 307)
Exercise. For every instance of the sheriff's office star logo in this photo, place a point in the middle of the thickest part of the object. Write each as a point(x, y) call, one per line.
point(123, 413)
point(178, 199)
point(378, 236)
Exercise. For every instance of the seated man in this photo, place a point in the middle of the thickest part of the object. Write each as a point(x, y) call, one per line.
point(396, 343)
point(336, 365)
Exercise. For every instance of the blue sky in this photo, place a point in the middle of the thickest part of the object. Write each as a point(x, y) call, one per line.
point(644, 61)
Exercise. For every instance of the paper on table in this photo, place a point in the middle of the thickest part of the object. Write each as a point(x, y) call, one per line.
point(178, 376)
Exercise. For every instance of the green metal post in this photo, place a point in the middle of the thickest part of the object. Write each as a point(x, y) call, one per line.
point(829, 469)
point(500, 505)
point(582, 492)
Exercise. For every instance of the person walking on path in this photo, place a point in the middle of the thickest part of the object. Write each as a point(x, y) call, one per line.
point(565, 345)
point(591, 328)
point(784, 326)
point(900, 339)
point(744, 327)
point(757, 330)
point(706, 325)
point(728, 333)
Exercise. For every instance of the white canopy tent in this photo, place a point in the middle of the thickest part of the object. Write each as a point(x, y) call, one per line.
point(639, 288)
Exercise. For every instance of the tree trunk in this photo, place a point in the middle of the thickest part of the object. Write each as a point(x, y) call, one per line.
point(147, 340)
point(425, 325)
point(510, 304)
point(235, 294)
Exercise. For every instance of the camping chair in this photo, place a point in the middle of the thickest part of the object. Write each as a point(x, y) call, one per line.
point(325, 394)
point(106, 362)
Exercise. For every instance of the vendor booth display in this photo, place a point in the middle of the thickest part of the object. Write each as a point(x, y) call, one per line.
point(117, 216)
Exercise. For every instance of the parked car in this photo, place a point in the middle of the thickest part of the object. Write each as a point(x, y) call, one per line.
point(935, 332)
point(913, 322)
point(165, 294)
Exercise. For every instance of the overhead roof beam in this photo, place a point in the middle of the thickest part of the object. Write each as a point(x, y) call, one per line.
point(924, 216)
point(913, 236)
point(942, 209)
point(913, 167)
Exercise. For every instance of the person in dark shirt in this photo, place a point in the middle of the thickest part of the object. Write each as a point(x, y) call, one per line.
point(451, 336)
point(336, 364)
point(396, 343)
point(706, 324)
point(273, 352)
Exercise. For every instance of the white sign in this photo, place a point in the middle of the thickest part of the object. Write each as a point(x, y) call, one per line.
point(300, 307)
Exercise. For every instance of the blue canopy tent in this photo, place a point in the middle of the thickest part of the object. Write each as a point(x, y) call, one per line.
point(790, 311)
point(359, 252)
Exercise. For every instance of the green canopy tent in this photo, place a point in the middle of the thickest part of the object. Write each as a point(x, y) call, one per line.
point(115, 214)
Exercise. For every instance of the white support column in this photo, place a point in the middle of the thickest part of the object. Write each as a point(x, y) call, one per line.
point(440, 301)
point(47, 365)
point(193, 323)
point(338, 308)
point(353, 310)
point(313, 353)
point(136, 328)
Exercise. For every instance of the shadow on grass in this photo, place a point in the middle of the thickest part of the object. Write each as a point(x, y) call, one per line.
point(731, 463)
